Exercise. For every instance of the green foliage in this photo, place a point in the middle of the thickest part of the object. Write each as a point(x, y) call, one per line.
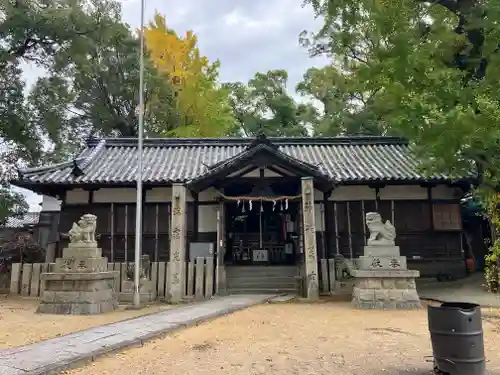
point(12, 204)
point(91, 83)
point(263, 105)
point(346, 109)
point(430, 69)
point(93, 89)
point(492, 268)
point(491, 203)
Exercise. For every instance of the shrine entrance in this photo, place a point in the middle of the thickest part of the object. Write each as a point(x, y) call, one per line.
point(262, 223)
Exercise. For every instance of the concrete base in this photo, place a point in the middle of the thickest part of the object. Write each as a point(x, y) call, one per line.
point(385, 289)
point(126, 298)
point(342, 287)
point(78, 293)
point(147, 291)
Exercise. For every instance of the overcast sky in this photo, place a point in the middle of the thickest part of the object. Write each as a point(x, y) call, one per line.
point(247, 36)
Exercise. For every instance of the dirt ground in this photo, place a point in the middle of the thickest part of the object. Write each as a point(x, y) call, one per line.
point(20, 325)
point(328, 338)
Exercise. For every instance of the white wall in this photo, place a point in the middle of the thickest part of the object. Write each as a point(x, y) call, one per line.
point(207, 218)
point(50, 204)
point(341, 193)
point(77, 196)
point(403, 192)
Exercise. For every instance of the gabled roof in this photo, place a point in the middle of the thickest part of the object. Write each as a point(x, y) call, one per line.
point(339, 159)
point(261, 152)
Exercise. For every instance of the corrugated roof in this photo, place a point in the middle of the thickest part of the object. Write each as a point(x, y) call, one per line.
point(343, 159)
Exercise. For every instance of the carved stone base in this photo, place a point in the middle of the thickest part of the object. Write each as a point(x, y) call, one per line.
point(343, 287)
point(147, 291)
point(81, 252)
point(78, 293)
point(385, 289)
point(78, 264)
point(381, 251)
point(382, 263)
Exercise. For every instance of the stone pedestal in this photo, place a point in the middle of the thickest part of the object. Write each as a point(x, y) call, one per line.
point(147, 291)
point(80, 283)
point(383, 281)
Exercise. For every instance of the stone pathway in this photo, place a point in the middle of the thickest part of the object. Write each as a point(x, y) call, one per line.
point(58, 354)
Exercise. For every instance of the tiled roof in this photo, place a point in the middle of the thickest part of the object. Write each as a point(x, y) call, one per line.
point(30, 218)
point(342, 159)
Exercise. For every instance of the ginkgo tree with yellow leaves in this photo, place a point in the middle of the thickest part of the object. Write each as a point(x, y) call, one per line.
point(202, 104)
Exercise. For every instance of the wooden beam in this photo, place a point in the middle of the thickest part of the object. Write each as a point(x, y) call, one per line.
point(112, 234)
point(327, 224)
point(157, 229)
point(196, 205)
point(126, 234)
point(349, 229)
point(244, 172)
point(431, 212)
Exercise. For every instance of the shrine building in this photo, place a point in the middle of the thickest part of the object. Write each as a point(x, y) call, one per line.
point(280, 203)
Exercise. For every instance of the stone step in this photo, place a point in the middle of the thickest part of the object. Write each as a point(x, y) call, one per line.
point(262, 286)
point(266, 280)
point(261, 271)
point(260, 291)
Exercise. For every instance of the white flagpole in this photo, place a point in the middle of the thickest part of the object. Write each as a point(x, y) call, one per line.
point(140, 140)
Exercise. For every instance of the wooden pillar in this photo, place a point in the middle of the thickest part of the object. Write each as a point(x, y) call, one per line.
point(196, 212)
point(126, 234)
point(157, 230)
point(311, 255)
point(349, 230)
point(112, 232)
point(326, 218)
point(220, 273)
point(177, 244)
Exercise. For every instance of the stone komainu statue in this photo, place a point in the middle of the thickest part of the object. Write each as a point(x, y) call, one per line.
point(342, 271)
point(380, 233)
point(84, 230)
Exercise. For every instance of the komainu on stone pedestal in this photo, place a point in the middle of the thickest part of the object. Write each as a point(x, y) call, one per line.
point(80, 283)
point(383, 280)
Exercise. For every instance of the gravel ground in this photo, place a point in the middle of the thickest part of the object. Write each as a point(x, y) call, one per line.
point(20, 325)
point(293, 338)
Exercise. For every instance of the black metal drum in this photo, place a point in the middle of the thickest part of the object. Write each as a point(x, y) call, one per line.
point(457, 338)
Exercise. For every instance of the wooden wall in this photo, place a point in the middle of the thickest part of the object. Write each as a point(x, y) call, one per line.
point(116, 227)
point(424, 229)
point(427, 220)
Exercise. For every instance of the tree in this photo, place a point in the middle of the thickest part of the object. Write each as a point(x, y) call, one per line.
point(434, 68)
point(265, 106)
point(93, 90)
point(36, 30)
point(345, 109)
point(201, 103)
point(12, 204)
point(33, 32)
